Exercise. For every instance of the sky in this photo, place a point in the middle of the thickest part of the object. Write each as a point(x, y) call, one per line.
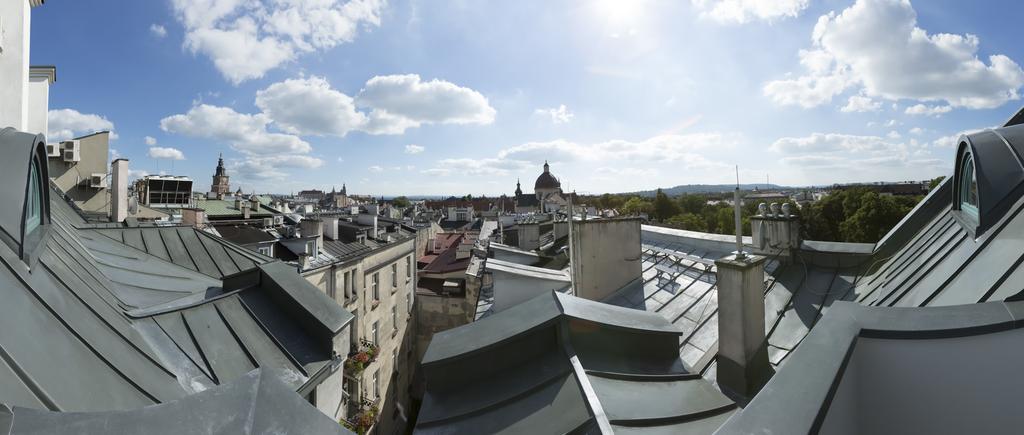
point(466, 96)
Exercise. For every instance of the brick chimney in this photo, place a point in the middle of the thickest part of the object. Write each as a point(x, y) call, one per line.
point(246, 211)
point(119, 190)
point(193, 216)
point(743, 366)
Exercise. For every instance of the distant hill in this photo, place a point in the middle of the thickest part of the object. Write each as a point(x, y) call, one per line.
point(706, 188)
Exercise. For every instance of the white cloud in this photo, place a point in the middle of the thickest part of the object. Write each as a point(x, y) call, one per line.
point(917, 131)
point(270, 167)
point(245, 133)
point(818, 143)
point(247, 38)
point(414, 149)
point(166, 153)
point(477, 167)
point(921, 109)
point(858, 158)
point(69, 123)
point(859, 103)
point(875, 45)
point(404, 101)
point(684, 151)
point(665, 148)
point(375, 169)
point(149, 140)
point(893, 135)
point(157, 30)
point(742, 11)
point(310, 106)
point(557, 115)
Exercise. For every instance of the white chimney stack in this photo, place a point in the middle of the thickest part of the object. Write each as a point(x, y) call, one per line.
point(743, 366)
point(119, 190)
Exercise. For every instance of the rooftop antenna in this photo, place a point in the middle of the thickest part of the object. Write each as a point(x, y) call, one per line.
point(739, 227)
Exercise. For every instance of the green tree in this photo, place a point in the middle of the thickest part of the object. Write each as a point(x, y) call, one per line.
point(664, 208)
point(935, 182)
point(875, 217)
point(636, 206)
point(687, 221)
point(692, 203)
point(400, 202)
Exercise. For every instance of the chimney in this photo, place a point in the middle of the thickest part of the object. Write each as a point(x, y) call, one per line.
point(193, 216)
point(254, 204)
point(604, 256)
point(743, 366)
point(119, 190)
point(313, 227)
point(775, 231)
point(331, 227)
point(244, 205)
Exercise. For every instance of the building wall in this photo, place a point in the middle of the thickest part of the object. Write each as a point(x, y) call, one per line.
point(436, 313)
point(94, 153)
point(607, 256)
point(38, 106)
point(393, 338)
point(14, 40)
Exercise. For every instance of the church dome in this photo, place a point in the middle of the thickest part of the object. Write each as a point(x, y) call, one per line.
point(546, 180)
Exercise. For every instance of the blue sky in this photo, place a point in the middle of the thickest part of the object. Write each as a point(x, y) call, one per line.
point(456, 97)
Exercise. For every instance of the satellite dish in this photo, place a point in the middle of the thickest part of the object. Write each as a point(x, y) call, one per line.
point(133, 205)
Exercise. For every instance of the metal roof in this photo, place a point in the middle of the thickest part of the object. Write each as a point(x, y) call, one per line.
point(561, 364)
point(99, 325)
point(897, 370)
point(259, 402)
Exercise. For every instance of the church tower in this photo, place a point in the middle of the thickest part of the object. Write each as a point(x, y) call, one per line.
point(221, 186)
point(519, 190)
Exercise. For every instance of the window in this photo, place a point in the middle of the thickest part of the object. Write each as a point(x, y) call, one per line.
point(394, 360)
point(394, 277)
point(345, 283)
point(408, 301)
point(265, 250)
point(376, 384)
point(373, 333)
point(332, 287)
point(376, 286)
point(34, 202)
point(408, 268)
point(968, 187)
point(394, 319)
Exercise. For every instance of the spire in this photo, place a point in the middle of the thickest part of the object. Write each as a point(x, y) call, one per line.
point(519, 190)
point(545, 166)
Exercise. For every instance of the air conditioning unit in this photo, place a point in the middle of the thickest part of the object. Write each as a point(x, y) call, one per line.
point(72, 150)
point(268, 222)
point(98, 180)
point(278, 220)
point(52, 150)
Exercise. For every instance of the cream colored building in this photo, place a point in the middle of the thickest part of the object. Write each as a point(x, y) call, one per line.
point(378, 287)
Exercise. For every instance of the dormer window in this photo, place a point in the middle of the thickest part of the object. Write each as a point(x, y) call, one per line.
point(34, 200)
point(968, 180)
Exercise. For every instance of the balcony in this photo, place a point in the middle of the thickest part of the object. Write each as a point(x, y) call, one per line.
point(362, 415)
point(361, 357)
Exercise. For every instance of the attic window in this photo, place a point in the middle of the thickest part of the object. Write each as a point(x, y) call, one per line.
point(34, 201)
point(968, 180)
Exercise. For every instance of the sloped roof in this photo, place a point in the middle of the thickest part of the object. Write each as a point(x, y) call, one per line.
point(560, 364)
point(897, 370)
point(112, 327)
point(259, 402)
